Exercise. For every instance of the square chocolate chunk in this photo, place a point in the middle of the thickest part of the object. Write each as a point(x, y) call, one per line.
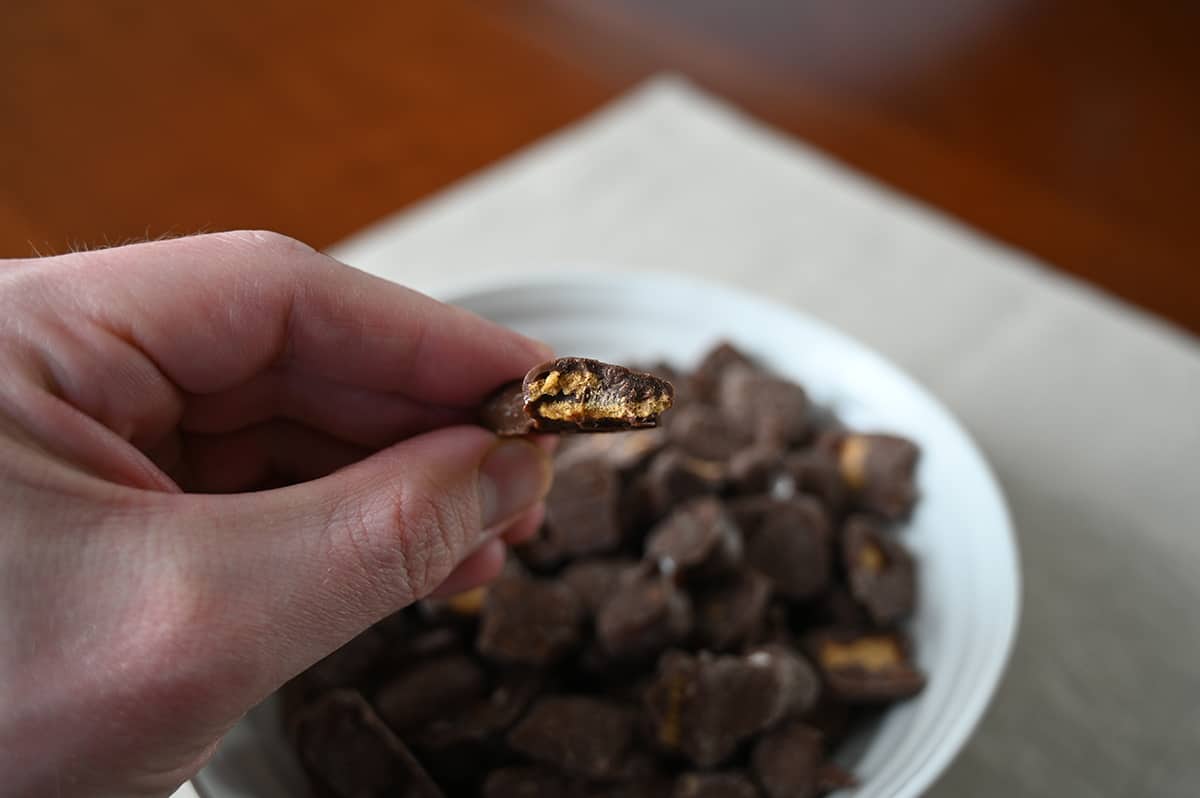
point(697, 540)
point(581, 509)
point(704, 706)
point(645, 615)
point(787, 762)
point(576, 735)
point(793, 548)
point(880, 470)
point(529, 621)
point(880, 570)
point(353, 754)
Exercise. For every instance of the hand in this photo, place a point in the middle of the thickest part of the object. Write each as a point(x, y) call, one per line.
point(150, 591)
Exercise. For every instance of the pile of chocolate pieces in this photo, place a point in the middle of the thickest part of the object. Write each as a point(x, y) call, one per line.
point(712, 606)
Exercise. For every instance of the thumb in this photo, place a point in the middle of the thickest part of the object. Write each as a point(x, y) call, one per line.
point(291, 574)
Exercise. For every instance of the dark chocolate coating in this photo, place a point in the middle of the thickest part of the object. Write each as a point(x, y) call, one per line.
point(815, 472)
point(353, 754)
point(595, 581)
point(793, 548)
point(644, 616)
point(581, 509)
point(525, 781)
point(787, 762)
point(616, 387)
point(666, 631)
point(674, 476)
point(703, 432)
point(430, 688)
point(754, 469)
point(622, 451)
point(880, 570)
point(484, 719)
point(763, 405)
point(504, 411)
point(730, 612)
point(529, 621)
point(870, 667)
point(706, 378)
point(800, 681)
point(881, 471)
point(729, 784)
point(577, 735)
point(697, 540)
point(704, 706)
point(460, 748)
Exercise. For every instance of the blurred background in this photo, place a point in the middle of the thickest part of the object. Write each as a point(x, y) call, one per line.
point(1068, 128)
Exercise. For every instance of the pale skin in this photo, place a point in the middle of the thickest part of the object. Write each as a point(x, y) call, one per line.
point(221, 457)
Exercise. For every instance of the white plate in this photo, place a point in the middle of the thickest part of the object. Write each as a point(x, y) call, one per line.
point(960, 534)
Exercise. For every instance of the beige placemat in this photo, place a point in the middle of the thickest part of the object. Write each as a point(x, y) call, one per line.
point(1088, 409)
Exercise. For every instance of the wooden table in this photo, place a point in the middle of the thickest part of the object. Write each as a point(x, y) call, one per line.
point(1066, 127)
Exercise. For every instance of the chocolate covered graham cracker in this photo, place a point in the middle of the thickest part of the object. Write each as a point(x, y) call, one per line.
point(578, 394)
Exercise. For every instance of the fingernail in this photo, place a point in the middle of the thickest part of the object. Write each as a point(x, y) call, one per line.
point(514, 475)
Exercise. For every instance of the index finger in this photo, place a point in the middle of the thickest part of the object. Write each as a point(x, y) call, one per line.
point(212, 311)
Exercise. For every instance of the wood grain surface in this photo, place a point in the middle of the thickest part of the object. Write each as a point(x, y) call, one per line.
point(1066, 127)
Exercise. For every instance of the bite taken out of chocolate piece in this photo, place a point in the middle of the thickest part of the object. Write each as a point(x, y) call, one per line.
point(865, 668)
point(577, 394)
point(529, 621)
point(349, 751)
point(581, 394)
point(577, 735)
point(881, 572)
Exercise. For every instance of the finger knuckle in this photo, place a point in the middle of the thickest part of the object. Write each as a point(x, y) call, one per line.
point(268, 241)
